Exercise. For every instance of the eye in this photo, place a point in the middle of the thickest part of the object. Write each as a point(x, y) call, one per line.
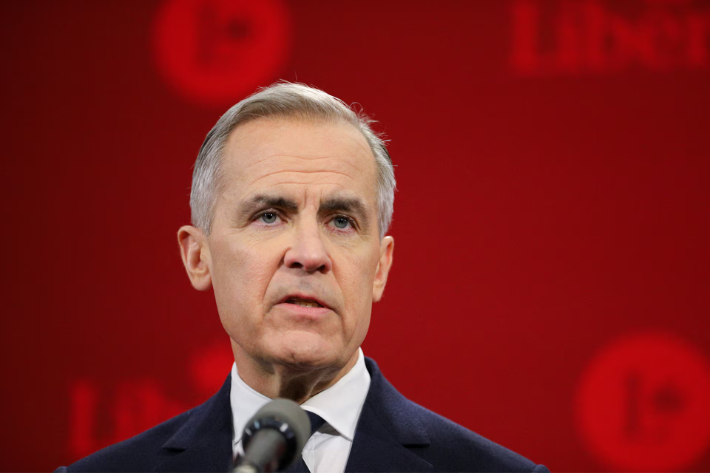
point(341, 222)
point(268, 217)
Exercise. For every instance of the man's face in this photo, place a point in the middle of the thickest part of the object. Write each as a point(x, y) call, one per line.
point(294, 254)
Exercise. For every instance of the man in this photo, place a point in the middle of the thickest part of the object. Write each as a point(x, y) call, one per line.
point(291, 201)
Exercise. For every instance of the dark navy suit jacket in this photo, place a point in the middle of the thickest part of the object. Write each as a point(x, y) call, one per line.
point(393, 434)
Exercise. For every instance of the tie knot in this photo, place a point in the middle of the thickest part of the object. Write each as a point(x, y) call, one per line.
point(316, 421)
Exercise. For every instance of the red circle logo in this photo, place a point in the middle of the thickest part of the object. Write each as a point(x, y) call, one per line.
point(644, 404)
point(215, 52)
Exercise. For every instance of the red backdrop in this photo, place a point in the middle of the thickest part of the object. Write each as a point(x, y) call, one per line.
point(551, 276)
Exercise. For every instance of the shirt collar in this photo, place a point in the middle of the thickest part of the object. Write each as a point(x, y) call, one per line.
point(339, 405)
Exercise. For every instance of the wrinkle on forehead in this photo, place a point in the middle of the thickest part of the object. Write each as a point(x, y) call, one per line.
point(341, 164)
point(278, 169)
point(313, 158)
point(315, 190)
point(268, 153)
point(267, 139)
point(300, 183)
point(300, 172)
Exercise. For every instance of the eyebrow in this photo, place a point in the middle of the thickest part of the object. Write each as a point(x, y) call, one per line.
point(258, 201)
point(351, 205)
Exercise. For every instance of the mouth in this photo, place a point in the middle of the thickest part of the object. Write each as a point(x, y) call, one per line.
point(304, 301)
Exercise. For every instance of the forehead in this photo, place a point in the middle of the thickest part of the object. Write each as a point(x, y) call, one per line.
point(288, 155)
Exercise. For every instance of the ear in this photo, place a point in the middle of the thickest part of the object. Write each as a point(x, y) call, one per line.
point(383, 267)
point(195, 256)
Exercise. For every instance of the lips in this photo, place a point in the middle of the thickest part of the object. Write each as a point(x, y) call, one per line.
point(303, 303)
point(302, 300)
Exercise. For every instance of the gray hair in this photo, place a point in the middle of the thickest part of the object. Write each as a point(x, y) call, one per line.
point(291, 101)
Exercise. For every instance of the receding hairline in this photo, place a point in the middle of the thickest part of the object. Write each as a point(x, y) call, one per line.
point(293, 118)
point(298, 117)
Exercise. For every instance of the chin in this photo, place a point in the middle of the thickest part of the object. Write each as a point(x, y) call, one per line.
point(305, 351)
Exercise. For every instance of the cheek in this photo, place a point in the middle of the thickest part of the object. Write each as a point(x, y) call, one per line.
point(357, 274)
point(241, 276)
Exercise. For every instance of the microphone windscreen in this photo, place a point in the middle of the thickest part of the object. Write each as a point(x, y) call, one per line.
point(284, 411)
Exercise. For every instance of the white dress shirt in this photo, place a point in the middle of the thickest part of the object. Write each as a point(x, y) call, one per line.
point(340, 405)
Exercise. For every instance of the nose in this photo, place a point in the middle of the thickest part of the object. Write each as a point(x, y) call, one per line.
point(308, 250)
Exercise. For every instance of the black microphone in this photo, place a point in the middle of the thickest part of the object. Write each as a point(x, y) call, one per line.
point(274, 438)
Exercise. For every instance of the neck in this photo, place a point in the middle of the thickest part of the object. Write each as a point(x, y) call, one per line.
point(274, 379)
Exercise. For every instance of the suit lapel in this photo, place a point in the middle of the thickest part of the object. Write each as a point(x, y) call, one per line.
point(387, 431)
point(204, 442)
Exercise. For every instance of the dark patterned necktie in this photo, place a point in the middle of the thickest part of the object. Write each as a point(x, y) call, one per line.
point(300, 466)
